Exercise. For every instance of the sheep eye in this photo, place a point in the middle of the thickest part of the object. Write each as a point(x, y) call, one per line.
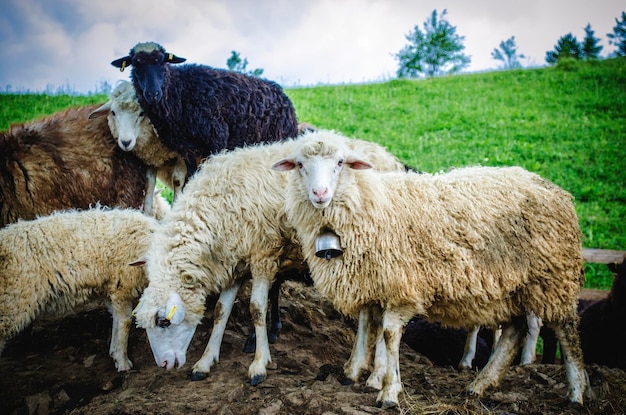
point(299, 164)
point(163, 322)
point(141, 114)
point(340, 163)
point(113, 113)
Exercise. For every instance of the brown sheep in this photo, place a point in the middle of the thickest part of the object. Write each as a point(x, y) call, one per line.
point(65, 161)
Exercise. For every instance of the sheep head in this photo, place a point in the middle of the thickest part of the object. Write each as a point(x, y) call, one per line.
point(149, 61)
point(320, 157)
point(168, 333)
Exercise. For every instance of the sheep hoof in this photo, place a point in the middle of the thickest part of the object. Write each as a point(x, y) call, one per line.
point(198, 376)
point(272, 337)
point(386, 404)
point(344, 380)
point(256, 379)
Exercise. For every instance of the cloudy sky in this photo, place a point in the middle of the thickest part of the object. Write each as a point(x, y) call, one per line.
point(47, 44)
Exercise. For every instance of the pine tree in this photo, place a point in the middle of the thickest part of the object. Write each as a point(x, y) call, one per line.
point(590, 48)
point(435, 51)
point(566, 47)
point(618, 37)
point(508, 54)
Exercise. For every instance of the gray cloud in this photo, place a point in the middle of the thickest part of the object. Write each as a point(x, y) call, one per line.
point(52, 43)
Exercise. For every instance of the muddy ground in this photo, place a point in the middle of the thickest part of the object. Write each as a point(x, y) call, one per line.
point(62, 367)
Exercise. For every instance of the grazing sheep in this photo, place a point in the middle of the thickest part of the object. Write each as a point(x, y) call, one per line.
point(65, 161)
point(198, 110)
point(228, 222)
point(475, 246)
point(56, 263)
point(602, 324)
point(134, 132)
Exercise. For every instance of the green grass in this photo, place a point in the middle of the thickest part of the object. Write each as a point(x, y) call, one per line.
point(566, 123)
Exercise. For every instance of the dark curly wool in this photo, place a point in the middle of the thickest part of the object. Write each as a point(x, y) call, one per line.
point(198, 110)
point(603, 325)
point(65, 161)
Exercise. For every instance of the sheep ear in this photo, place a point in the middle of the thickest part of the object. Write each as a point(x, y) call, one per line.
point(99, 112)
point(122, 63)
point(138, 262)
point(284, 165)
point(358, 164)
point(171, 58)
point(175, 309)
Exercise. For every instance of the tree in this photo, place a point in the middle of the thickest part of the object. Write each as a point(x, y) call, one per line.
point(618, 37)
point(235, 63)
point(435, 51)
point(508, 54)
point(566, 47)
point(589, 47)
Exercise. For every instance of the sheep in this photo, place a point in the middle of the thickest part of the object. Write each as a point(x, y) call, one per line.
point(53, 264)
point(134, 132)
point(198, 110)
point(65, 161)
point(602, 334)
point(474, 246)
point(218, 231)
point(528, 351)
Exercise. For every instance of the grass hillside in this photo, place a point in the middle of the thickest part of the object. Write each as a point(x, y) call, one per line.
point(566, 123)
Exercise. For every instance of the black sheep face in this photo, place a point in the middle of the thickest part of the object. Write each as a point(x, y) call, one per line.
point(149, 65)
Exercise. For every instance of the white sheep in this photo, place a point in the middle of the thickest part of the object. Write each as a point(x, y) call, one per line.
point(228, 222)
point(475, 246)
point(53, 264)
point(134, 132)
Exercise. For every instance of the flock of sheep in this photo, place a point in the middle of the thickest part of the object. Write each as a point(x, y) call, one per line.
point(252, 193)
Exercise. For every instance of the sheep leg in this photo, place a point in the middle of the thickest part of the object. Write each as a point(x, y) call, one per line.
point(530, 343)
point(211, 353)
point(567, 334)
point(500, 359)
point(393, 322)
point(375, 380)
point(359, 358)
point(120, 330)
point(258, 311)
point(470, 349)
point(148, 201)
point(275, 323)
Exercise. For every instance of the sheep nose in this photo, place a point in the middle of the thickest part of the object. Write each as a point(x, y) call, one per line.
point(126, 144)
point(320, 192)
point(152, 96)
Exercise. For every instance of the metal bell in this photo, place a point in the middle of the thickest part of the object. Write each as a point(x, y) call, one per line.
point(327, 245)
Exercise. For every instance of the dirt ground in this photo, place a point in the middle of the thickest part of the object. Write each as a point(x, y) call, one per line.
point(62, 367)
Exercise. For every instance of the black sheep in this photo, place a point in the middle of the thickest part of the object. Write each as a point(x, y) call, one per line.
point(198, 110)
point(603, 325)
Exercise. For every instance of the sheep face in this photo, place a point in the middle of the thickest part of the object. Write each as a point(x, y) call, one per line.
point(168, 333)
point(127, 122)
point(148, 60)
point(320, 164)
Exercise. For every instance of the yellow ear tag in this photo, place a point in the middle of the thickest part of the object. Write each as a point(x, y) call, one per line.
point(134, 313)
point(123, 66)
point(170, 57)
point(171, 313)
